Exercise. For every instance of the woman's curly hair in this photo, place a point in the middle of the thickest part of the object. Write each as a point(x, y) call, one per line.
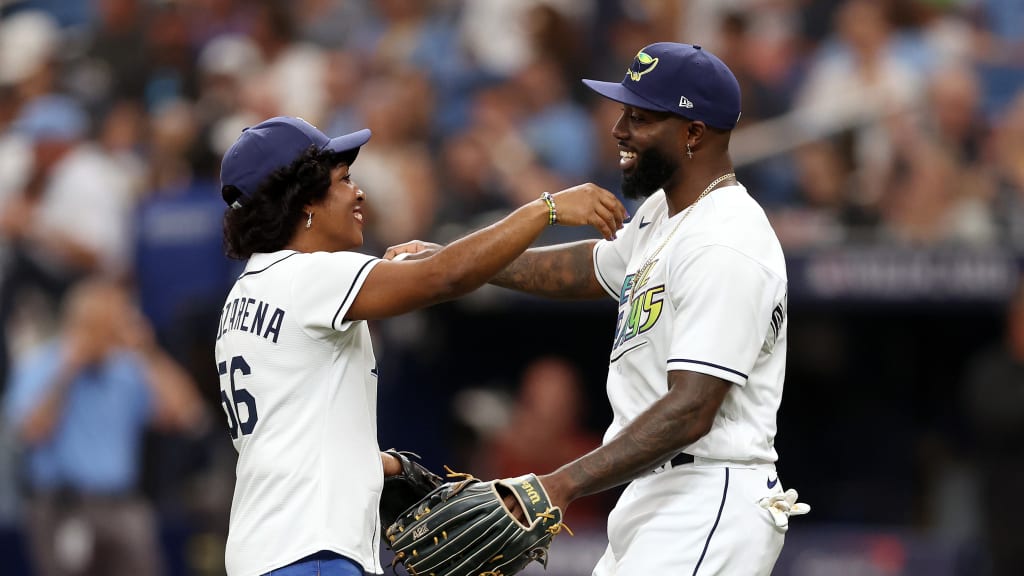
point(266, 220)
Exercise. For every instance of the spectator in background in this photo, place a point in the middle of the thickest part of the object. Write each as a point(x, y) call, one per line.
point(222, 66)
point(210, 19)
point(502, 35)
point(940, 37)
point(172, 65)
point(116, 63)
point(345, 72)
point(225, 66)
point(293, 77)
point(827, 208)
point(763, 66)
point(469, 191)
point(79, 404)
point(398, 167)
point(73, 216)
point(952, 114)
point(700, 21)
point(329, 23)
point(1001, 34)
point(397, 36)
point(932, 197)
point(179, 264)
point(405, 35)
point(507, 124)
point(994, 389)
point(557, 129)
point(182, 276)
point(937, 191)
point(549, 412)
point(1008, 161)
point(29, 42)
point(263, 72)
point(497, 119)
point(857, 84)
point(762, 63)
point(556, 36)
point(67, 13)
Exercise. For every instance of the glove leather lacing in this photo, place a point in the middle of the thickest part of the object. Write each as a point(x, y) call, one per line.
point(466, 480)
point(555, 528)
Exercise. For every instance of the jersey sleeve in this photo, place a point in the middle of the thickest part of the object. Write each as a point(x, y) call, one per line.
point(723, 302)
point(610, 261)
point(325, 286)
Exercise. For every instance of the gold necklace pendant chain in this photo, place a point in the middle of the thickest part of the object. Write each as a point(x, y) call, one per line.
point(645, 268)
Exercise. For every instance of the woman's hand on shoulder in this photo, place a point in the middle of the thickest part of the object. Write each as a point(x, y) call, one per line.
point(411, 250)
point(589, 204)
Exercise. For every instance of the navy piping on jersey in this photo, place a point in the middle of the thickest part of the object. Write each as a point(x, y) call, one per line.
point(376, 526)
point(687, 360)
point(604, 283)
point(267, 266)
point(626, 351)
point(725, 492)
point(350, 288)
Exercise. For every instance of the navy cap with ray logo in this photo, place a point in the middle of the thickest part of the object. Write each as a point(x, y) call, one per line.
point(683, 79)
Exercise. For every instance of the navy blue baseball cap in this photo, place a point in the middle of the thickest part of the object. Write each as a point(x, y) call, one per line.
point(273, 144)
point(683, 79)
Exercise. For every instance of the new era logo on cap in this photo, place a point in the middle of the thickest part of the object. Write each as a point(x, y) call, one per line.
point(682, 79)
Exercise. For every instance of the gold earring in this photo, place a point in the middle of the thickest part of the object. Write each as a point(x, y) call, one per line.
point(689, 153)
point(309, 221)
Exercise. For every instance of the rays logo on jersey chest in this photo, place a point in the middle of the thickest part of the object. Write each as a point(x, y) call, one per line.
point(639, 313)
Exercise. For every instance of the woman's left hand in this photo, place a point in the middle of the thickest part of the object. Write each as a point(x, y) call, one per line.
point(390, 464)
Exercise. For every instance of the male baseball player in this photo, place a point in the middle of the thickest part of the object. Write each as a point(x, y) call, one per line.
point(696, 370)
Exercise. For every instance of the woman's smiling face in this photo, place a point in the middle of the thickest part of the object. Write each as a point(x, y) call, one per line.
point(338, 218)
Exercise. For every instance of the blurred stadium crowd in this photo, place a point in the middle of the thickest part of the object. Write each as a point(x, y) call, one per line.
point(891, 124)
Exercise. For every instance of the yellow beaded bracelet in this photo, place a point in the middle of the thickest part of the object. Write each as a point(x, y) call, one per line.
point(552, 212)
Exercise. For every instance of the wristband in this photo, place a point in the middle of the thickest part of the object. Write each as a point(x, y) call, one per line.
point(552, 212)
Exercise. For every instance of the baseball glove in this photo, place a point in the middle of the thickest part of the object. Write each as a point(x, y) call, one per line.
point(464, 529)
point(405, 489)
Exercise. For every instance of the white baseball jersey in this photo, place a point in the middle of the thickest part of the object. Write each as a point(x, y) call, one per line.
point(299, 389)
point(713, 300)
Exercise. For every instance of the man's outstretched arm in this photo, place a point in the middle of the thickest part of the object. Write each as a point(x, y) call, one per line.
point(562, 271)
point(678, 419)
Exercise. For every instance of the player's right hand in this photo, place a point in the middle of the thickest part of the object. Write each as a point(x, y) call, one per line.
point(589, 204)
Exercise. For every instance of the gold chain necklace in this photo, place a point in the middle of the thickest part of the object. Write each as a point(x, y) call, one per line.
point(645, 268)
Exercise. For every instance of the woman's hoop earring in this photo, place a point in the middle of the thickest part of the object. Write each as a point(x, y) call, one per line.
point(689, 153)
point(309, 221)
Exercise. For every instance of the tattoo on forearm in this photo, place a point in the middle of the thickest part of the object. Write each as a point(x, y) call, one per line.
point(560, 272)
point(644, 445)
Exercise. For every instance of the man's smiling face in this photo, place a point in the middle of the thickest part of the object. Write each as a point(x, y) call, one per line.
point(649, 150)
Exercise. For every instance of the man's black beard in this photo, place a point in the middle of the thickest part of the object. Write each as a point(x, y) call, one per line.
point(652, 171)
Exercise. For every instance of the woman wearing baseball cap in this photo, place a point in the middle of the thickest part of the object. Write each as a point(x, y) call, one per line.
point(297, 371)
